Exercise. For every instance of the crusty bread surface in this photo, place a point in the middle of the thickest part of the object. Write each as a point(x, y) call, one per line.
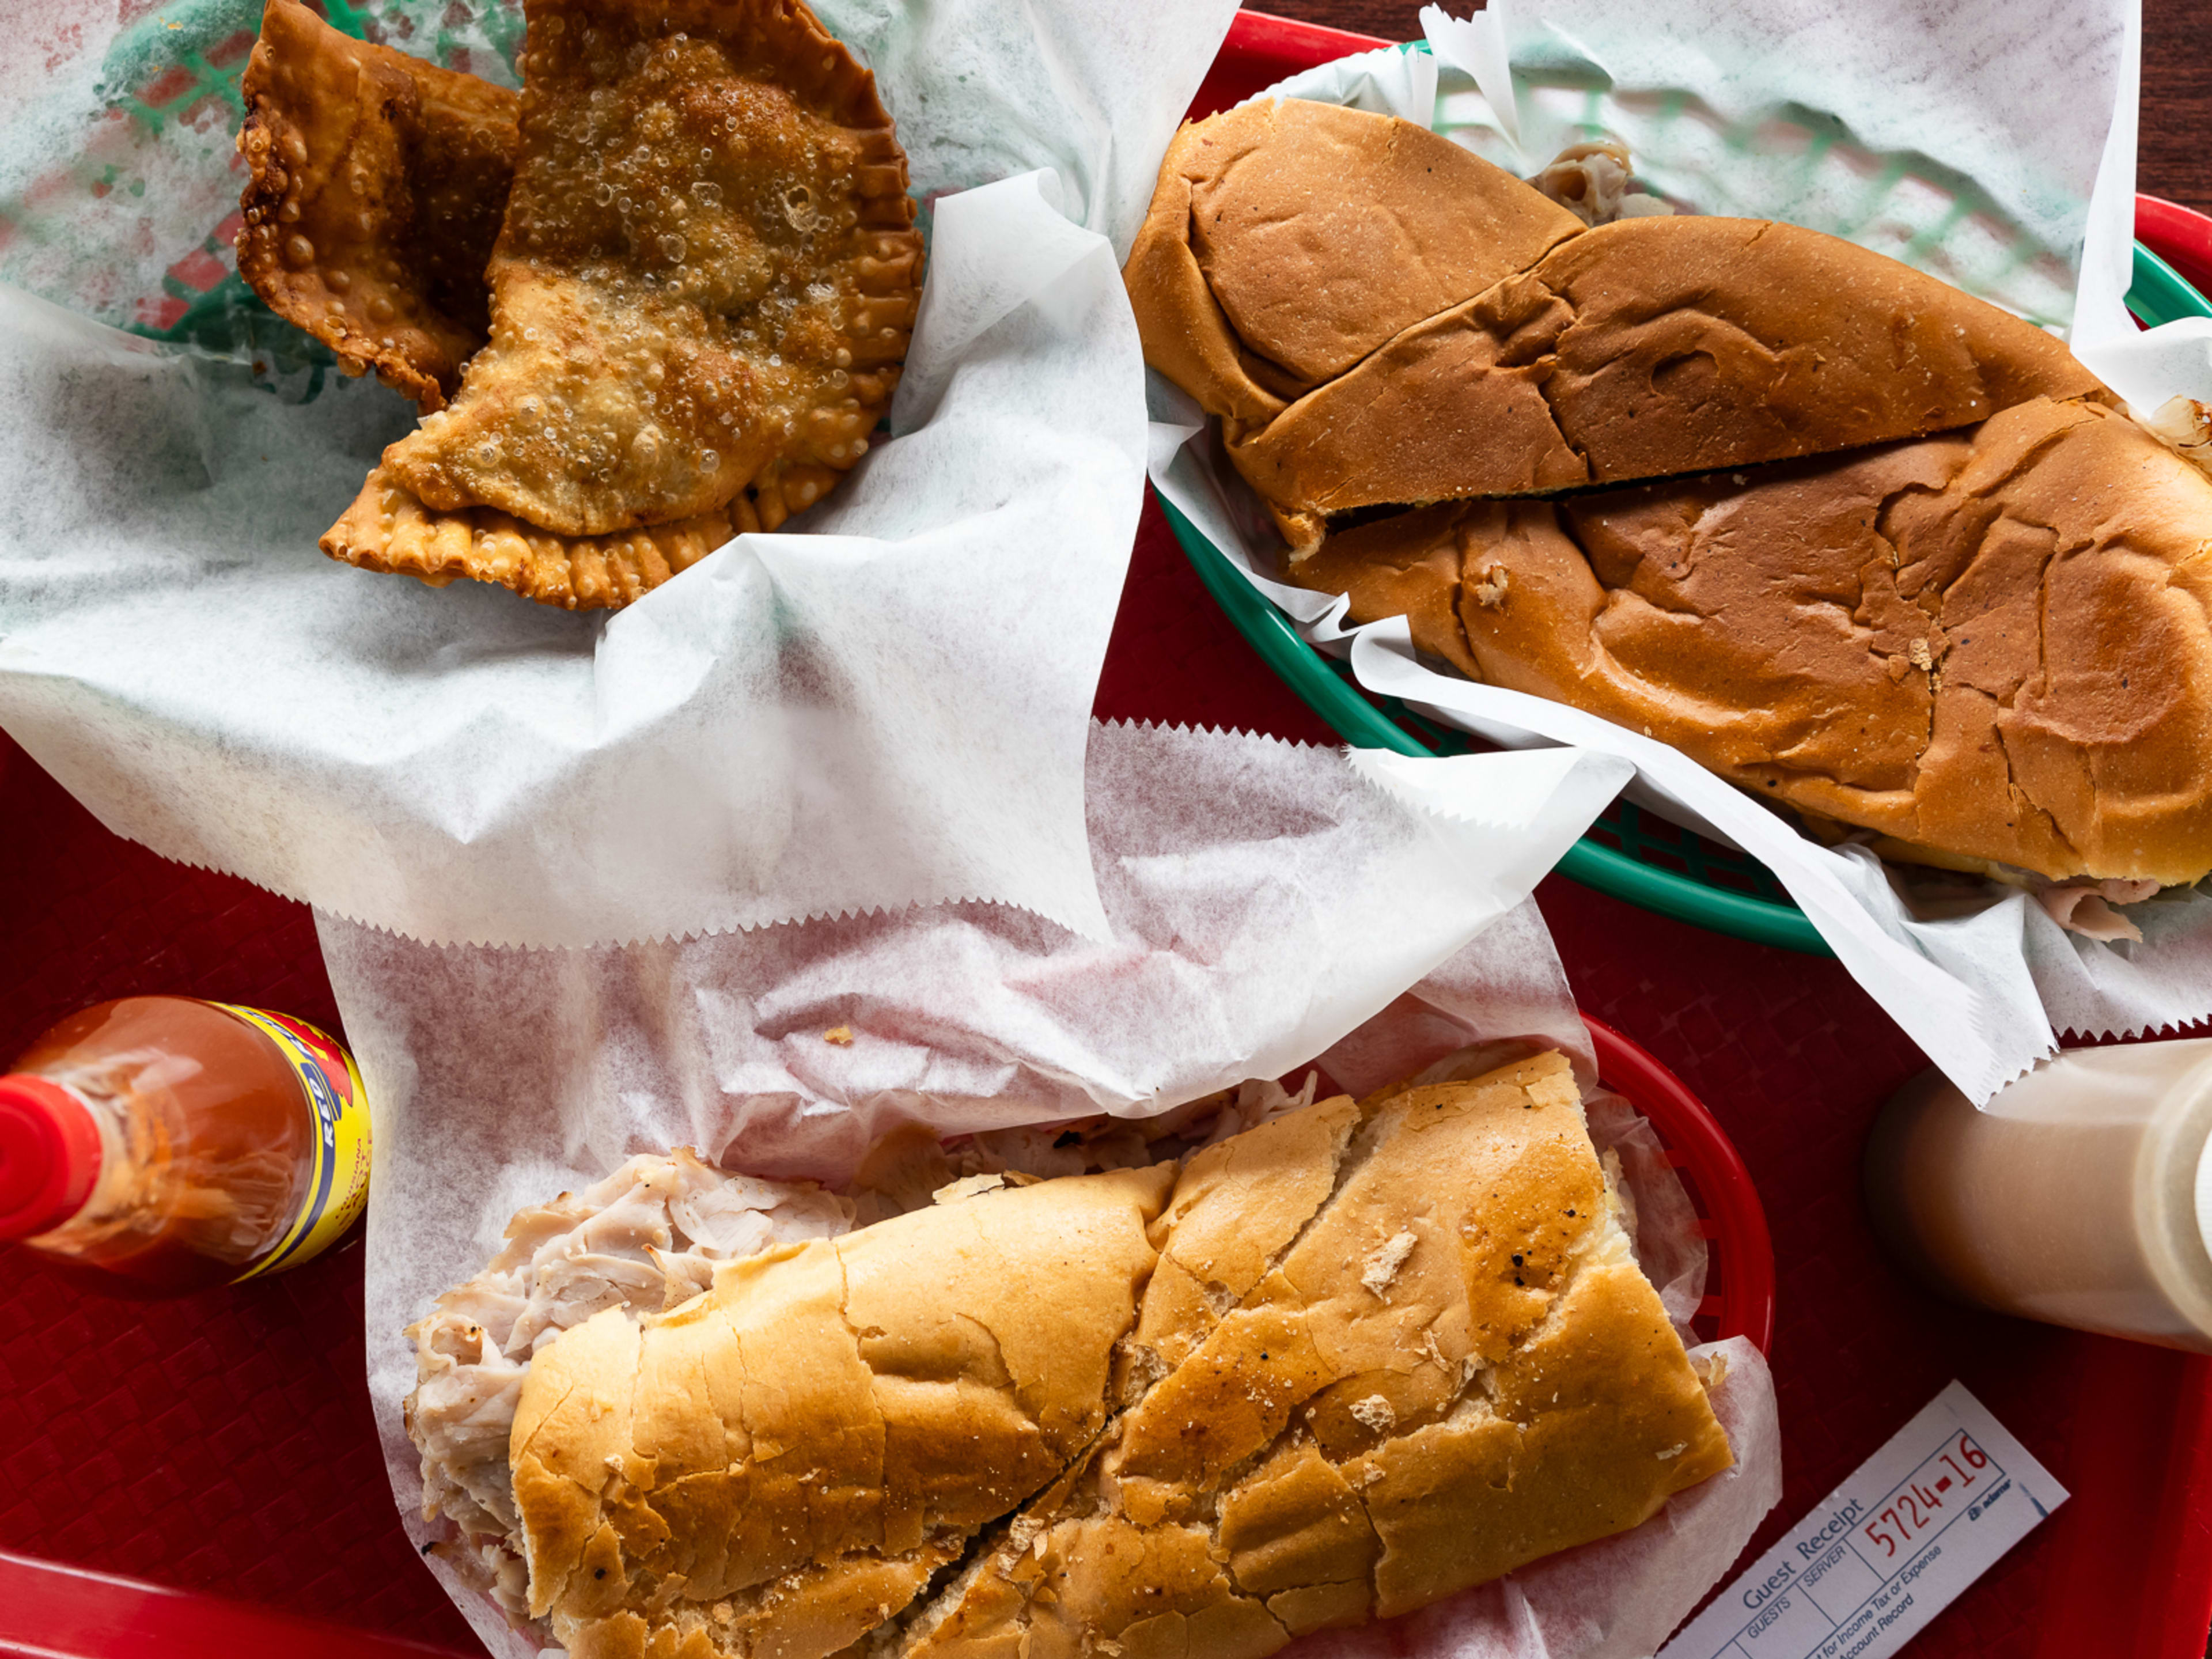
point(1340, 1365)
point(1381, 320)
point(1393, 1350)
point(1995, 644)
point(802, 1446)
point(1287, 241)
point(1649, 348)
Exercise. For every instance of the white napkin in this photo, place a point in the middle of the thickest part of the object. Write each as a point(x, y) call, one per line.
point(1269, 902)
point(1932, 132)
point(890, 709)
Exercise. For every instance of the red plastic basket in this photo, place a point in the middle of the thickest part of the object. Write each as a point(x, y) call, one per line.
point(1740, 1270)
point(66, 1613)
point(2179, 235)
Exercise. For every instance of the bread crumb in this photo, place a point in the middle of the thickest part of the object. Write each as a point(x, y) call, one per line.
point(1430, 1347)
point(1922, 659)
point(1674, 1450)
point(1374, 1414)
point(1711, 1370)
point(839, 1035)
point(1022, 1531)
point(1382, 1267)
point(1489, 590)
point(967, 1187)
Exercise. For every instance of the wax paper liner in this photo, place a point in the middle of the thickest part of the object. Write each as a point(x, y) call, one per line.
point(1990, 144)
point(888, 709)
point(1270, 903)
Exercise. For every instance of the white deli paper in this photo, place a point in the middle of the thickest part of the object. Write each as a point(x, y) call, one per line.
point(891, 709)
point(1270, 904)
point(1969, 167)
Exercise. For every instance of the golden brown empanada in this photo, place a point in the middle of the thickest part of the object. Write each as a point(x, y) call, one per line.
point(376, 183)
point(705, 282)
point(387, 529)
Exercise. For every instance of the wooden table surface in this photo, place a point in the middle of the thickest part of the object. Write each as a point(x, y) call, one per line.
point(2175, 155)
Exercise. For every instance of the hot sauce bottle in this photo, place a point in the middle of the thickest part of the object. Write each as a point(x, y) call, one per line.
point(173, 1144)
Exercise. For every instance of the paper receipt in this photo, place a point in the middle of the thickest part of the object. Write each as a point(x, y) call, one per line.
point(1887, 1549)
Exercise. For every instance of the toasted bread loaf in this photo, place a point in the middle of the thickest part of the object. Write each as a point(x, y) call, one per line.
point(1994, 644)
point(1380, 319)
point(1361, 1356)
point(802, 1446)
point(1399, 1348)
point(1287, 241)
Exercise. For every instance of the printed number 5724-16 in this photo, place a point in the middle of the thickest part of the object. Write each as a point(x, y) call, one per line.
point(1935, 1488)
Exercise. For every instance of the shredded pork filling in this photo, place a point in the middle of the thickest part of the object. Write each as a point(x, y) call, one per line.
point(645, 1238)
point(1594, 181)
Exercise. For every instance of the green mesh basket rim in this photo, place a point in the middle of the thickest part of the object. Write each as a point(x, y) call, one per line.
point(2160, 294)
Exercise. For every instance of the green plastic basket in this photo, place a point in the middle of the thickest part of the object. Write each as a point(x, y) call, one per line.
point(1628, 853)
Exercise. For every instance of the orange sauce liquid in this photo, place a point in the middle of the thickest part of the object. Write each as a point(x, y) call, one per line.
point(218, 1138)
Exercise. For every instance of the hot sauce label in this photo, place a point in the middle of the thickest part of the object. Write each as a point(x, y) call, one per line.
point(339, 1189)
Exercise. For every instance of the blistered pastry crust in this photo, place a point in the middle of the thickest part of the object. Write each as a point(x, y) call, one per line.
point(375, 183)
point(707, 278)
point(387, 529)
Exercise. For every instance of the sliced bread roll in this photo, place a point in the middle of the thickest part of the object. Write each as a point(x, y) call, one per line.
point(1994, 647)
point(1334, 306)
point(784, 1461)
point(1649, 348)
point(1393, 1350)
point(1286, 241)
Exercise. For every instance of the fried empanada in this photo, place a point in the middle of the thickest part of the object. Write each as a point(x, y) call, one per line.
point(377, 183)
point(705, 282)
point(387, 529)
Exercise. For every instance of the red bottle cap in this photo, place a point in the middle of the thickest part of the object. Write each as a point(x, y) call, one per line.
point(49, 1155)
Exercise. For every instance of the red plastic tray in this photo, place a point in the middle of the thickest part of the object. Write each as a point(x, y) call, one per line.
point(223, 1444)
point(2181, 236)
